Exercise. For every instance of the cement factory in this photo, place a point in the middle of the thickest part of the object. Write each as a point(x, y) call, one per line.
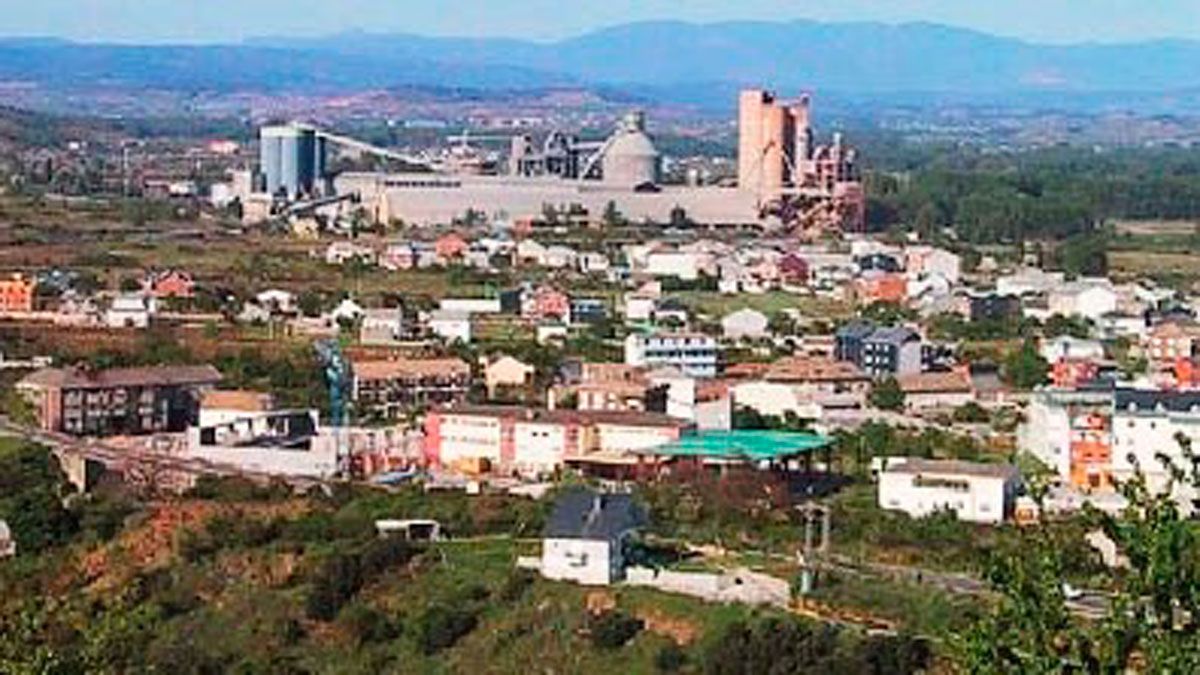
point(784, 178)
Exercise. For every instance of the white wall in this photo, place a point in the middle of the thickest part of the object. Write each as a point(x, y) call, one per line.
point(619, 437)
point(582, 561)
point(466, 437)
point(319, 461)
point(982, 499)
point(539, 448)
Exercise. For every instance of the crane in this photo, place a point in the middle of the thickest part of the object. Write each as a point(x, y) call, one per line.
point(338, 380)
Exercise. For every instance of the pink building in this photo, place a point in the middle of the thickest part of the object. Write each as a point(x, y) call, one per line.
point(530, 441)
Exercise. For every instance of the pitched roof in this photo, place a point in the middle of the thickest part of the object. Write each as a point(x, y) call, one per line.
point(583, 514)
point(239, 399)
point(80, 378)
point(934, 383)
point(399, 368)
point(950, 466)
point(812, 369)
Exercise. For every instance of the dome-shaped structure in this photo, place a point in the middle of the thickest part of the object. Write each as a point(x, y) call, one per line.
point(630, 159)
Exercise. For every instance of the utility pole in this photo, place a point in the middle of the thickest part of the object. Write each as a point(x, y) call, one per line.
point(813, 513)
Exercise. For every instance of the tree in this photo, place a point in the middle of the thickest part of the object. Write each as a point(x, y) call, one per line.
point(612, 217)
point(1024, 368)
point(1151, 624)
point(887, 394)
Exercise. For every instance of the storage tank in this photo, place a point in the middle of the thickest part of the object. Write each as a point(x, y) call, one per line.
point(631, 158)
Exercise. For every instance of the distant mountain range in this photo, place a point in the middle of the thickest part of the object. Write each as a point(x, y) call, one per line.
point(662, 59)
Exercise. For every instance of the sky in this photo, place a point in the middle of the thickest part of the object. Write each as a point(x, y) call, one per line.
point(201, 21)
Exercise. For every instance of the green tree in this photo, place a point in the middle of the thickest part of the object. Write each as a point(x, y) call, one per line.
point(887, 394)
point(1024, 368)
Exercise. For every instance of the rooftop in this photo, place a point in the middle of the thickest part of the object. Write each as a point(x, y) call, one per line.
point(384, 370)
point(756, 445)
point(583, 514)
point(812, 369)
point(547, 416)
point(951, 467)
point(163, 376)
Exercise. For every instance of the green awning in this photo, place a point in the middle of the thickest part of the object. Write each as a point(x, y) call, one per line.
point(745, 445)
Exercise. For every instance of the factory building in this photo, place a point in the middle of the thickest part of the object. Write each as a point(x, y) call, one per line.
point(787, 172)
point(292, 159)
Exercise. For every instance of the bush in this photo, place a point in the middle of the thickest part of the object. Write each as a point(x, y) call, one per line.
point(367, 624)
point(334, 584)
point(612, 630)
point(670, 658)
point(440, 627)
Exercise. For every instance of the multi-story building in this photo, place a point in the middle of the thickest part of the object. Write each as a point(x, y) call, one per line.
point(17, 294)
point(532, 441)
point(1170, 340)
point(1070, 431)
point(118, 401)
point(694, 354)
point(880, 351)
point(389, 389)
point(1147, 425)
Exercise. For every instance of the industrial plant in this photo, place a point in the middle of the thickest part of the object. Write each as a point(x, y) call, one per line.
point(784, 179)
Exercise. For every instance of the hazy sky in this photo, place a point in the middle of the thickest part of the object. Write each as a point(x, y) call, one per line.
point(232, 20)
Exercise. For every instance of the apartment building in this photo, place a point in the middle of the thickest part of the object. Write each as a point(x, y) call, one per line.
point(389, 389)
point(118, 401)
point(528, 441)
point(694, 354)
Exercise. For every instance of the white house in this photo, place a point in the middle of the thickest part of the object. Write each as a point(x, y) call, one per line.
point(382, 326)
point(277, 301)
point(471, 305)
point(1071, 348)
point(587, 535)
point(979, 493)
point(1029, 281)
point(131, 310)
point(347, 311)
point(1089, 298)
point(340, 252)
point(593, 262)
point(745, 323)
point(681, 264)
point(450, 325)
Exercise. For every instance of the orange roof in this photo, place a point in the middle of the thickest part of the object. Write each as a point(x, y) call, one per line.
point(239, 399)
point(934, 383)
point(738, 371)
point(813, 369)
point(400, 368)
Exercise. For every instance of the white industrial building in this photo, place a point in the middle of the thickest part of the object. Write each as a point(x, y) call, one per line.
point(978, 493)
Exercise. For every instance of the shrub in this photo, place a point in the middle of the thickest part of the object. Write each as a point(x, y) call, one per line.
point(612, 630)
point(441, 627)
point(367, 624)
point(670, 658)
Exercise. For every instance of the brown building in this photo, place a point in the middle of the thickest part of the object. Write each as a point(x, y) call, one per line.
point(16, 294)
point(391, 388)
point(118, 401)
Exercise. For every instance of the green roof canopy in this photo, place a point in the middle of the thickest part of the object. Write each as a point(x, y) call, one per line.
point(752, 445)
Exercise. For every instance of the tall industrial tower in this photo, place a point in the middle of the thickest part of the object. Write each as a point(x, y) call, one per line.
point(292, 158)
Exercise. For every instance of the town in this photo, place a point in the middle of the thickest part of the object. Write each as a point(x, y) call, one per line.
point(579, 390)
